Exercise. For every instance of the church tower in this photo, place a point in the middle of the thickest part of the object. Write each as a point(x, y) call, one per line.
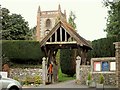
point(46, 20)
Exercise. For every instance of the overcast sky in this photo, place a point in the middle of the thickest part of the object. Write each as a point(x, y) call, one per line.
point(90, 14)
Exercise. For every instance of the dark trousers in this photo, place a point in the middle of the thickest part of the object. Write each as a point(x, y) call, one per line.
point(50, 78)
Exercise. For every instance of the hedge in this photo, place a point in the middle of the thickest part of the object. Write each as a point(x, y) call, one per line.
point(67, 61)
point(103, 47)
point(22, 51)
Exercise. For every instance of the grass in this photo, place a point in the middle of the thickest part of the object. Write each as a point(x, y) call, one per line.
point(63, 77)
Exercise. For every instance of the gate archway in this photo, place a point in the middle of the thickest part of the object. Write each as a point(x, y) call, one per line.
point(64, 36)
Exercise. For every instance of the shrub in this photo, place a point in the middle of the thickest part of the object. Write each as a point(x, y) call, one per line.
point(27, 80)
point(67, 62)
point(103, 47)
point(101, 79)
point(37, 79)
point(16, 78)
point(89, 76)
point(22, 51)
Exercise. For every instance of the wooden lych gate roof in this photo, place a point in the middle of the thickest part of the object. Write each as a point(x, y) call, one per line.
point(63, 34)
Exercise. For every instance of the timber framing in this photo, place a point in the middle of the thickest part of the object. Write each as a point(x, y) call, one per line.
point(63, 34)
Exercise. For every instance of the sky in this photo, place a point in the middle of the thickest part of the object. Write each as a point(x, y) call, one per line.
point(90, 14)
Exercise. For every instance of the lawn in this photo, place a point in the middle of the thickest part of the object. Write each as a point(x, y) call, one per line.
point(63, 77)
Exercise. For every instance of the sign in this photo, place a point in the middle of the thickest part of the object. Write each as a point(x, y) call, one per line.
point(4, 74)
point(112, 66)
point(97, 66)
point(105, 66)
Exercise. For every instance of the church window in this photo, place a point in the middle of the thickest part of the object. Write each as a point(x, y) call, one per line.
point(48, 23)
point(46, 32)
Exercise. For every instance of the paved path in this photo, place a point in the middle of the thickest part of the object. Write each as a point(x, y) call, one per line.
point(69, 84)
point(66, 84)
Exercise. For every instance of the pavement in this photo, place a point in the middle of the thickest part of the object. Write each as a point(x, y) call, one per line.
point(71, 84)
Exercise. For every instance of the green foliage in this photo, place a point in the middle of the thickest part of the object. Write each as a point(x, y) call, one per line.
point(33, 64)
point(5, 60)
point(113, 20)
point(37, 79)
point(103, 47)
point(19, 51)
point(67, 62)
point(71, 20)
point(14, 27)
point(58, 57)
point(64, 77)
point(89, 76)
point(16, 78)
point(27, 80)
point(33, 33)
point(101, 79)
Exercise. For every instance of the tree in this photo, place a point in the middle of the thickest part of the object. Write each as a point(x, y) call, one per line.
point(103, 47)
point(14, 27)
point(113, 20)
point(33, 32)
point(68, 62)
point(71, 20)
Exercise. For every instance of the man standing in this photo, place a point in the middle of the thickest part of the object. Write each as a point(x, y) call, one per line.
point(50, 73)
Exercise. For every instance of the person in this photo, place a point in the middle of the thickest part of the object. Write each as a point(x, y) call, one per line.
point(55, 73)
point(50, 72)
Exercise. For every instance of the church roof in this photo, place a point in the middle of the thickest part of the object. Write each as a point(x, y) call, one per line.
point(67, 27)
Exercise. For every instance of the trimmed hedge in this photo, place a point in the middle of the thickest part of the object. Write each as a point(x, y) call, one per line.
point(103, 47)
point(22, 51)
point(67, 62)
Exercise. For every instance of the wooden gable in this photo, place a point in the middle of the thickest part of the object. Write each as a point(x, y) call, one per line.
point(63, 33)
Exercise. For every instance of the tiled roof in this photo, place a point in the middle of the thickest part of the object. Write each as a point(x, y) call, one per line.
point(80, 40)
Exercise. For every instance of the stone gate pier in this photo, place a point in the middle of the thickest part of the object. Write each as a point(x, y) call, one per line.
point(117, 55)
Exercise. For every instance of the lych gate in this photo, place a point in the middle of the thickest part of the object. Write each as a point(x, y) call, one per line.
point(64, 36)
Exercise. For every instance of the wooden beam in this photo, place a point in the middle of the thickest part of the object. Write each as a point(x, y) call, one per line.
point(51, 39)
point(60, 34)
point(56, 36)
point(65, 36)
point(73, 42)
point(45, 49)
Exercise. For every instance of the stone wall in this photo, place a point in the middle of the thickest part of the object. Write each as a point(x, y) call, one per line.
point(22, 74)
point(84, 70)
point(117, 55)
point(110, 77)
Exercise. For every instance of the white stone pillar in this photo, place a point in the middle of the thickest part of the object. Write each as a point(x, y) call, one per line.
point(44, 70)
point(78, 61)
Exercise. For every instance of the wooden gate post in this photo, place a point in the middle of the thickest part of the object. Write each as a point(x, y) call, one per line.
point(78, 61)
